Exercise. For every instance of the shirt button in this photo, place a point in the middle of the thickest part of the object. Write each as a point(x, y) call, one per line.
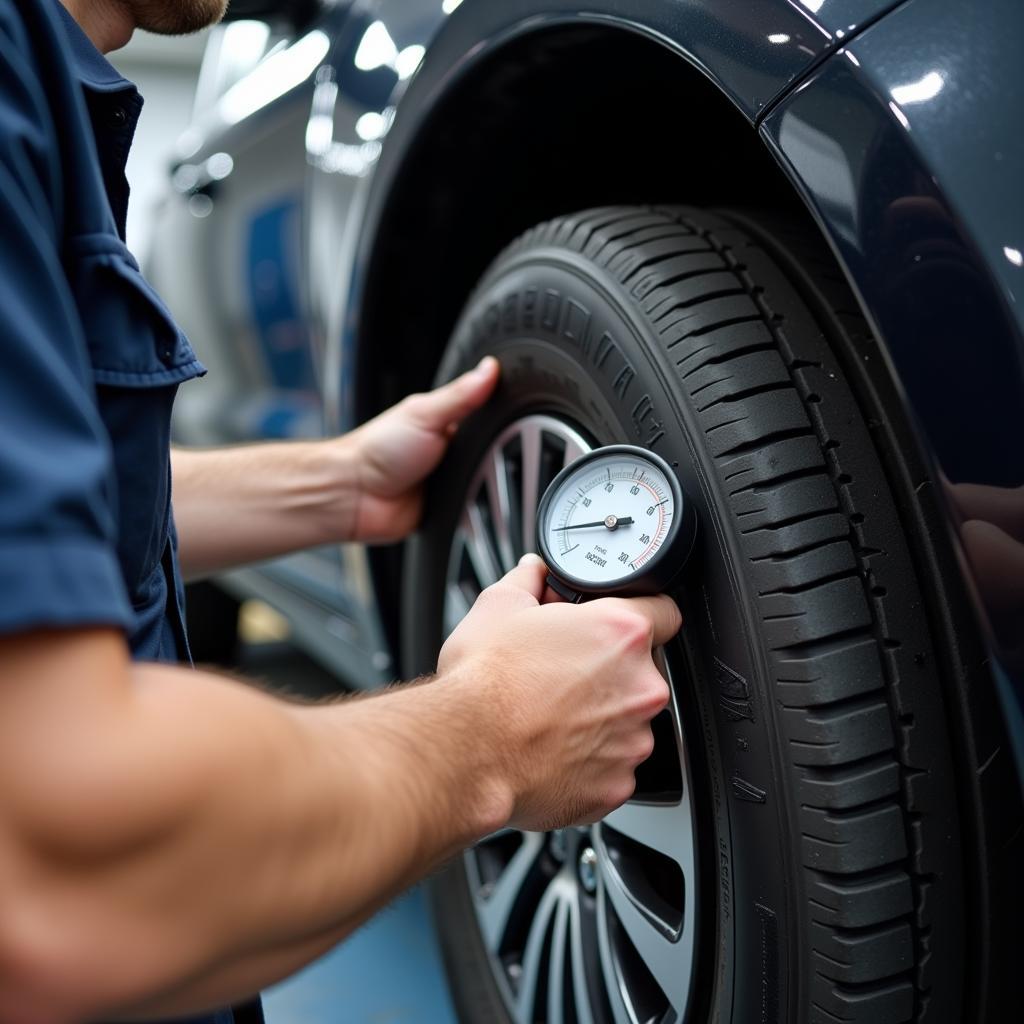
point(118, 117)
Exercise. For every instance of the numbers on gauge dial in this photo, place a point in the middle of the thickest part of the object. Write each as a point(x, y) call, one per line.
point(609, 519)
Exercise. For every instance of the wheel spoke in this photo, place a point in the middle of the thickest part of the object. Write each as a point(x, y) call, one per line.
point(496, 482)
point(495, 909)
point(482, 555)
point(663, 958)
point(556, 966)
point(660, 826)
point(573, 450)
point(527, 994)
point(580, 987)
point(614, 984)
point(530, 439)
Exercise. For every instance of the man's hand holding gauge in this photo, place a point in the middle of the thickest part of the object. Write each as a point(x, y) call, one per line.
point(586, 733)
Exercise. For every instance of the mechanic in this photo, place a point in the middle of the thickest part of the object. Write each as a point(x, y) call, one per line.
point(172, 840)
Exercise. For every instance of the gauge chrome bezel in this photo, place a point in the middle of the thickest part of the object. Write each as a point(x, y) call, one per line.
point(667, 562)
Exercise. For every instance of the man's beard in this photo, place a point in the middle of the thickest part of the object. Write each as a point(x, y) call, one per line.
point(176, 17)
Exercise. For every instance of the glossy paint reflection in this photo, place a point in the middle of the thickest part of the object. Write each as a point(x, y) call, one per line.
point(278, 74)
point(901, 147)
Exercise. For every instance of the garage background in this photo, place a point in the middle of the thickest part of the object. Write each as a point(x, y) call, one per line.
point(166, 71)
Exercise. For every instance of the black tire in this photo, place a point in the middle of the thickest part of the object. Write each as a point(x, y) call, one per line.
point(834, 882)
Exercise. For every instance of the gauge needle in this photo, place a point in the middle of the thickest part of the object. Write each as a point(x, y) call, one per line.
point(611, 522)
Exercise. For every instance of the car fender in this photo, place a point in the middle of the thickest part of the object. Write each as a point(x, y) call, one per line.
point(906, 147)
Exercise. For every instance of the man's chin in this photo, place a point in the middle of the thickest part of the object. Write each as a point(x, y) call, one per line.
point(177, 17)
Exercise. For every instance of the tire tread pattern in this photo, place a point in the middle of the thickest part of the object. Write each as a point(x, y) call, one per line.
point(779, 421)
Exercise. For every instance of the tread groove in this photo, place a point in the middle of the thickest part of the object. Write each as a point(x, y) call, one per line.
point(803, 588)
point(781, 524)
point(762, 487)
point(694, 303)
point(779, 558)
point(739, 396)
point(809, 649)
point(768, 439)
point(734, 321)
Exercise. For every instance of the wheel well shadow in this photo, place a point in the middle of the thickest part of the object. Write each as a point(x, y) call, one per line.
point(555, 121)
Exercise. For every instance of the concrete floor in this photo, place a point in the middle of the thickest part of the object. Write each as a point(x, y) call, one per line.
point(387, 973)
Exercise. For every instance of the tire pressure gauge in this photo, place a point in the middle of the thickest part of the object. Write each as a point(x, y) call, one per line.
point(615, 521)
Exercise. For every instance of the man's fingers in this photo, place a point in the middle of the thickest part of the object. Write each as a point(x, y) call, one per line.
point(451, 403)
point(663, 614)
point(529, 575)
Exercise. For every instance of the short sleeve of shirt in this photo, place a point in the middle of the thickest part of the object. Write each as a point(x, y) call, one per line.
point(58, 562)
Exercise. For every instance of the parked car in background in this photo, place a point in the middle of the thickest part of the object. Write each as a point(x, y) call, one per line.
point(777, 242)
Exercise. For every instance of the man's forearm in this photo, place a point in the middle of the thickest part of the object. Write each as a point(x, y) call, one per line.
point(238, 505)
point(245, 504)
point(196, 822)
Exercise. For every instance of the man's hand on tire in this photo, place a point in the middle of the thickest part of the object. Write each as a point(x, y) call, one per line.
point(396, 451)
point(569, 692)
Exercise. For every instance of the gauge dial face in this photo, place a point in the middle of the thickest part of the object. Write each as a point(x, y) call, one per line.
point(608, 518)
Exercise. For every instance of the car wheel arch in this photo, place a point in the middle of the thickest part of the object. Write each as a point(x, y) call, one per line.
point(529, 103)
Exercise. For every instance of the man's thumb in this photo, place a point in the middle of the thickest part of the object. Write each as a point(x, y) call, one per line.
point(529, 575)
point(453, 402)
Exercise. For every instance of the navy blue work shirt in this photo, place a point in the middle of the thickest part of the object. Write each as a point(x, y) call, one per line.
point(91, 358)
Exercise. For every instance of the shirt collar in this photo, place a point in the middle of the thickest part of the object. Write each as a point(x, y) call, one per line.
point(113, 105)
point(91, 68)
